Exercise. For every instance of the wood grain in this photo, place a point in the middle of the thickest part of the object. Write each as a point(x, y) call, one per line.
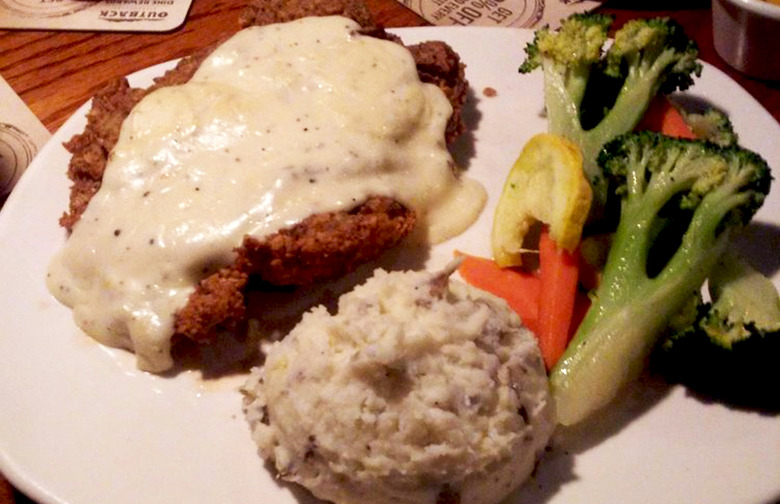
point(56, 72)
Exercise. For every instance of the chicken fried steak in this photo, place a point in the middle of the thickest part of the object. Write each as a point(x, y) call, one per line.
point(322, 246)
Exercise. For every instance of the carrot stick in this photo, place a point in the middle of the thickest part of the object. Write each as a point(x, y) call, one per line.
point(663, 117)
point(519, 288)
point(559, 272)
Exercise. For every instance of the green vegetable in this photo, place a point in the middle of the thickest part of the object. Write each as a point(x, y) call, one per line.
point(592, 96)
point(713, 125)
point(680, 201)
point(728, 348)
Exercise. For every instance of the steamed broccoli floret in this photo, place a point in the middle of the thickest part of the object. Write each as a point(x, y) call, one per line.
point(713, 125)
point(663, 182)
point(592, 96)
point(729, 348)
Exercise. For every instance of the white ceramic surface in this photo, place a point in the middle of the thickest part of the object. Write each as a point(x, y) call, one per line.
point(80, 425)
point(746, 34)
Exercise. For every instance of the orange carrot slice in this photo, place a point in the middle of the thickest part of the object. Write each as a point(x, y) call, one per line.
point(663, 117)
point(559, 272)
point(518, 287)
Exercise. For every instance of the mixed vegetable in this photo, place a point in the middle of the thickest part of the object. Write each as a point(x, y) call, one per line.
point(637, 202)
point(593, 95)
point(728, 347)
point(681, 199)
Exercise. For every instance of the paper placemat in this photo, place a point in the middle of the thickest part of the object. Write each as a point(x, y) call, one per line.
point(21, 137)
point(94, 15)
point(517, 13)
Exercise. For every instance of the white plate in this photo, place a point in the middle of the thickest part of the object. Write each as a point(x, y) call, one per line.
point(79, 425)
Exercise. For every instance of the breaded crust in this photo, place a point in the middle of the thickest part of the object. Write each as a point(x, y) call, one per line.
point(321, 247)
point(263, 12)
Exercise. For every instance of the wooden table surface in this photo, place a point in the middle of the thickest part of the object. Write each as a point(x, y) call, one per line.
point(56, 72)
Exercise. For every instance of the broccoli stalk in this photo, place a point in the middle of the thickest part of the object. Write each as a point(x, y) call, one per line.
point(687, 195)
point(728, 348)
point(612, 89)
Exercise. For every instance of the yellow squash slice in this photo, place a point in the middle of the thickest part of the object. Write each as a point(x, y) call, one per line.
point(546, 184)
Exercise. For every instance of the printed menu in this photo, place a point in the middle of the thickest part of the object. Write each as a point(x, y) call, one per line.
point(516, 13)
point(94, 15)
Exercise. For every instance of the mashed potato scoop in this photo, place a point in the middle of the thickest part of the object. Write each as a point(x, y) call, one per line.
point(420, 389)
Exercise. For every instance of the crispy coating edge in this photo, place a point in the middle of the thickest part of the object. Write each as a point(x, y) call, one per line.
point(263, 12)
point(322, 246)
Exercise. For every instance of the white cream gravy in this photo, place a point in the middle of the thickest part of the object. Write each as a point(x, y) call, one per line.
point(279, 122)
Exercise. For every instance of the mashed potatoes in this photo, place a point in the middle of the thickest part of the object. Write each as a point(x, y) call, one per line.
point(420, 389)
